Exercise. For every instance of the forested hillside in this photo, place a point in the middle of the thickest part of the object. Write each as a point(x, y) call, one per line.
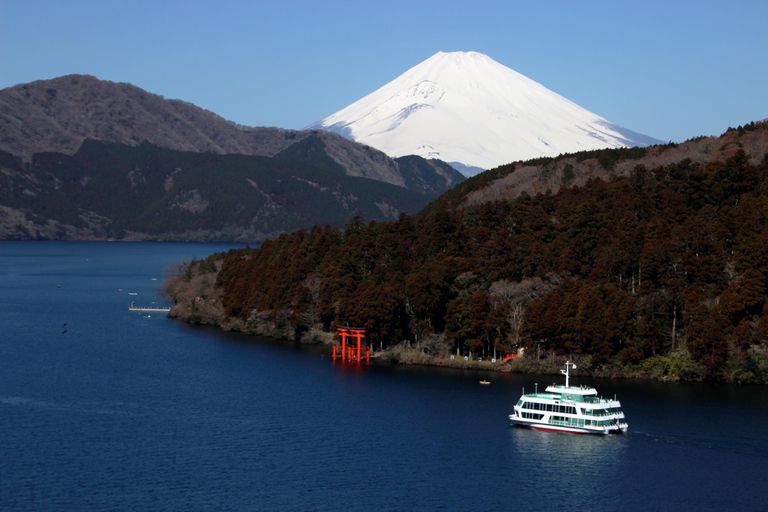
point(114, 191)
point(664, 270)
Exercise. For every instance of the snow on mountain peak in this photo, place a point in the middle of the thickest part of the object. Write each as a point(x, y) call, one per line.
point(466, 108)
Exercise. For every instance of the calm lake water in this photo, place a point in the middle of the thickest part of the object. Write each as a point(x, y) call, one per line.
point(103, 409)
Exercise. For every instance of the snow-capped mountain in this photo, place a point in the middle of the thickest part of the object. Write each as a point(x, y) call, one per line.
point(467, 109)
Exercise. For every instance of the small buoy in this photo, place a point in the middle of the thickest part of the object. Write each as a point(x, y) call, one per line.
point(466, 358)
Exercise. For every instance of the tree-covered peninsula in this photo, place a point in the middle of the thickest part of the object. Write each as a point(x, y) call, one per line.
point(660, 270)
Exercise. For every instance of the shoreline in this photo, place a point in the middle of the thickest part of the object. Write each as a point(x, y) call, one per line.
point(197, 301)
point(660, 368)
point(531, 366)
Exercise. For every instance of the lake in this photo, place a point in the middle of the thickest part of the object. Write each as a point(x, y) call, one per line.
point(104, 409)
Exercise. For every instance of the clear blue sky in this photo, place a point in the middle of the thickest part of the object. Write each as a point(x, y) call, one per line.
point(669, 69)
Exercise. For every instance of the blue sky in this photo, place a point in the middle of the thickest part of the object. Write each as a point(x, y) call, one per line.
point(669, 69)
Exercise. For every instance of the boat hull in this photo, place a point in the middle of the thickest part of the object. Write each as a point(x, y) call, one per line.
point(545, 427)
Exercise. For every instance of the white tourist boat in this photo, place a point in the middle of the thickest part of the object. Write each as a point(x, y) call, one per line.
point(578, 410)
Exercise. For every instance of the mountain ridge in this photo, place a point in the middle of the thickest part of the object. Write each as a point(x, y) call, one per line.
point(88, 159)
point(57, 115)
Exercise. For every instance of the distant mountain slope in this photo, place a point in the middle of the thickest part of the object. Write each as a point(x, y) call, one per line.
point(58, 115)
point(467, 109)
point(108, 190)
point(541, 175)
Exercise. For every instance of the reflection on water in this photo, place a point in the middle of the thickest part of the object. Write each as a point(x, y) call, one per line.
point(566, 463)
point(566, 451)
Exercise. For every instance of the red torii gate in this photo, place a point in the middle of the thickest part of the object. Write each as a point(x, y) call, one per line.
point(350, 352)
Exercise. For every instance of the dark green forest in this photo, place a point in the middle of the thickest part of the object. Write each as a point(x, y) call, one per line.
point(112, 190)
point(664, 270)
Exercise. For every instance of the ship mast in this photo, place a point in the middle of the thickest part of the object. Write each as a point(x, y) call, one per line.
point(565, 372)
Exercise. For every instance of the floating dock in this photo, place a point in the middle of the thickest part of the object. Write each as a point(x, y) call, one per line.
point(157, 309)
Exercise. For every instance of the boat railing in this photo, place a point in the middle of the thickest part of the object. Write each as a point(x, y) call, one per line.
point(604, 412)
point(599, 400)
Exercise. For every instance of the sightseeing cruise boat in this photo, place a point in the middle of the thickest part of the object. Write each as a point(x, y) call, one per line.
point(578, 410)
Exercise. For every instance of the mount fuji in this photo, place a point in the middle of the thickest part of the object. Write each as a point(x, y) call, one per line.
point(468, 110)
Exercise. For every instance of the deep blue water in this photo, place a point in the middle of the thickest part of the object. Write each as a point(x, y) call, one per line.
point(102, 409)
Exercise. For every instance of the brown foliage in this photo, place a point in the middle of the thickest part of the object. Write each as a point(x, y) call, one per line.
point(670, 258)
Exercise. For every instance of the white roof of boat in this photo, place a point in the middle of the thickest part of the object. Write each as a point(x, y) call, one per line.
point(572, 390)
